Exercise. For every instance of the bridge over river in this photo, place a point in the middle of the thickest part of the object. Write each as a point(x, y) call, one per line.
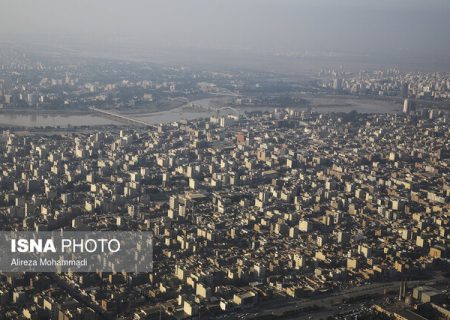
point(121, 118)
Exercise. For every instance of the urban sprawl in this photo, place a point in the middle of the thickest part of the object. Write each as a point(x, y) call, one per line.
point(275, 214)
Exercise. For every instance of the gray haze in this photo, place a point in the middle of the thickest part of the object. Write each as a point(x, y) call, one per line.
point(376, 28)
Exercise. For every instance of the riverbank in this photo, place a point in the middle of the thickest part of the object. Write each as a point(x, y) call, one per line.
point(204, 108)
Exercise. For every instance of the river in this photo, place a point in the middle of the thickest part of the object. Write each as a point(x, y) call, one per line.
point(65, 119)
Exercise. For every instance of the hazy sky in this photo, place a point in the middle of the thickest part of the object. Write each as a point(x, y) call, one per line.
point(410, 27)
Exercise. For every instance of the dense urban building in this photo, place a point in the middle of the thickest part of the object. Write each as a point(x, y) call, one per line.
point(256, 215)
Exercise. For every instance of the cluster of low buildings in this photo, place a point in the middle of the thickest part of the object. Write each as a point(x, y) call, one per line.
point(31, 81)
point(391, 82)
point(247, 211)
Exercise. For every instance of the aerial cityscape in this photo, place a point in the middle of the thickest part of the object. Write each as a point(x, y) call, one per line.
point(294, 184)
